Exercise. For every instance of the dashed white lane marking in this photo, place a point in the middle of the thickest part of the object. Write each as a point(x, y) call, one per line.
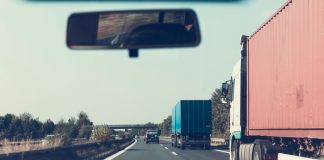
point(221, 151)
point(166, 147)
point(121, 152)
point(161, 145)
point(174, 153)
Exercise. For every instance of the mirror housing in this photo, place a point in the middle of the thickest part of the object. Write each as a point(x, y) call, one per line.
point(133, 30)
point(227, 91)
point(225, 87)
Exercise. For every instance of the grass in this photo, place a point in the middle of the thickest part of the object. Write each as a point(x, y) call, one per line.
point(7, 147)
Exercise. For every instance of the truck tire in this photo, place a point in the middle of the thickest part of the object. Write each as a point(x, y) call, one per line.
point(258, 152)
point(246, 151)
point(235, 150)
point(263, 148)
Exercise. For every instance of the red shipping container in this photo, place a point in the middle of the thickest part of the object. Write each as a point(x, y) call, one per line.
point(286, 73)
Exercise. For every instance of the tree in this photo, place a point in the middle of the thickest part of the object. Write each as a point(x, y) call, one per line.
point(20, 128)
point(32, 128)
point(11, 127)
point(15, 130)
point(25, 126)
point(151, 125)
point(36, 128)
point(26, 119)
point(165, 126)
point(85, 131)
point(67, 130)
point(84, 125)
point(6, 123)
point(2, 127)
point(73, 128)
point(220, 116)
point(48, 127)
point(83, 119)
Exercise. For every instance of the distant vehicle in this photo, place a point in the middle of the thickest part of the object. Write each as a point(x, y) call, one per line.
point(152, 136)
point(191, 124)
point(276, 88)
point(116, 137)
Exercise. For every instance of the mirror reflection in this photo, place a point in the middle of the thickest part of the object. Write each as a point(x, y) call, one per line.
point(139, 29)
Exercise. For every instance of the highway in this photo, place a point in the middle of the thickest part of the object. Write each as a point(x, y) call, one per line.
point(164, 151)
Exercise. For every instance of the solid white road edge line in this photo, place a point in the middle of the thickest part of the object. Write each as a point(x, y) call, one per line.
point(121, 152)
point(166, 147)
point(221, 151)
point(174, 153)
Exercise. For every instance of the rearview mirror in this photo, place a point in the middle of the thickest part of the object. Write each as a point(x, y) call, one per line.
point(224, 89)
point(133, 30)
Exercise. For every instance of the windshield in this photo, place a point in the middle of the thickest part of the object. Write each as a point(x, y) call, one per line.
point(40, 75)
point(100, 93)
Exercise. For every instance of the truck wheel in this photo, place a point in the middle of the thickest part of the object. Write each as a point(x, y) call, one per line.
point(264, 148)
point(246, 151)
point(257, 152)
point(235, 150)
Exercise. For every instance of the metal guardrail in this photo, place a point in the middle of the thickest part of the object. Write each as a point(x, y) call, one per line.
point(22, 143)
point(79, 151)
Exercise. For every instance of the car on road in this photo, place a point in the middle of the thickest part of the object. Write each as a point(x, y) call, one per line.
point(152, 136)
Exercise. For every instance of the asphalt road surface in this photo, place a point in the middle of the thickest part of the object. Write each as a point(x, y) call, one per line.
point(164, 151)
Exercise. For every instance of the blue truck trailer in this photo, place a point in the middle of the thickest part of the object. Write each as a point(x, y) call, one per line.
point(191, 124)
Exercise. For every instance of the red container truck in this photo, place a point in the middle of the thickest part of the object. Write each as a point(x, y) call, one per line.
point(277, 88)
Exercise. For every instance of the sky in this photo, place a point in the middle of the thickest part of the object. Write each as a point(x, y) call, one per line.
point(40, 75)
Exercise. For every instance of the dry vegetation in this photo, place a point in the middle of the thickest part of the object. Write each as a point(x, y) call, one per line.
point(7, 147)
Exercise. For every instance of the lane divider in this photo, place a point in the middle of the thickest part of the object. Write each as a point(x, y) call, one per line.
point(121, 152)
point(217, 150)
point(174, 153)
point(166, 147)
point(161, 145)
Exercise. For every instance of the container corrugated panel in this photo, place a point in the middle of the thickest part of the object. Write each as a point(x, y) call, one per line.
point(286, 73)
point(192, 116)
